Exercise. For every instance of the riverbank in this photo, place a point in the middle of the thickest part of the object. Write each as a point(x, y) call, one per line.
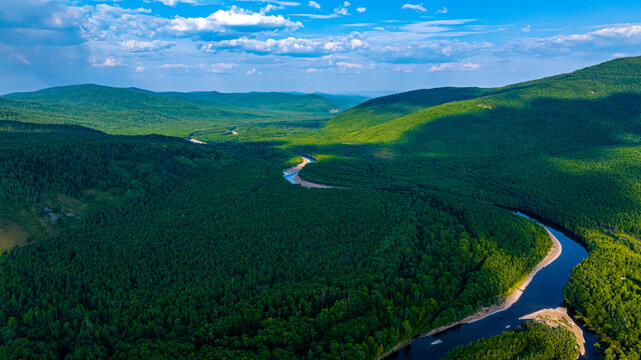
point(291, 175)
point(506, 302)
point(558, 317)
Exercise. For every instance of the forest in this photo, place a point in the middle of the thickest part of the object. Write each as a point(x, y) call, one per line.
point(530, 341)
point(191, 251)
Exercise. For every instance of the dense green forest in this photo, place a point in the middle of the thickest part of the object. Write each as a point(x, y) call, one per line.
point(566, 148)
point(190, 251)
point(530, 341)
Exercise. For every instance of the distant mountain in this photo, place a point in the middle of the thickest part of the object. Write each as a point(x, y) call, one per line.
point(137, 111)
point(276, 101)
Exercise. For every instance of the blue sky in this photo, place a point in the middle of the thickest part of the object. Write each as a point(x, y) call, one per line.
point(291, 45)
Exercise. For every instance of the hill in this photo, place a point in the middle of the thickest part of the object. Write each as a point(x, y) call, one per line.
point(383, 109)
point(273, 101)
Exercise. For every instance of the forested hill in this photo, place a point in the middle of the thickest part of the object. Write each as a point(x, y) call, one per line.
point(134, 111)
point(380, 110)
point(312, 103)
point(567, 148)
point(178, 250)
point(390, 118)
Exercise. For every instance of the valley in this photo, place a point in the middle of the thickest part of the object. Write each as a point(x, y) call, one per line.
point(179, 240)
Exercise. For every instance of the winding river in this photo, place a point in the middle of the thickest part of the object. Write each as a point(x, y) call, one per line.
point(545, 291)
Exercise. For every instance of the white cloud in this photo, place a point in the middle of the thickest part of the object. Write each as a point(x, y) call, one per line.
point(442, 11)
point(107, 62)
point(361, 10)
point(314, 5)
point(140, 46)
point(526, 28)
point(235, 19)
point(349, 65)
point(270, 7)
point(140, 69)
point(417, 7)
point(612, 38)
point(454, 67)
point(221, 68)
point(339, 11)
point(290, 46)
point(174, 67)
point(426, 52)
point(344, 67)
point(176, 2)
point(314, 70)
point(343, 9)
point(433, 26)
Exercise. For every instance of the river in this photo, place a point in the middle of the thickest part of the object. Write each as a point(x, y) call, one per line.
point(545, 291)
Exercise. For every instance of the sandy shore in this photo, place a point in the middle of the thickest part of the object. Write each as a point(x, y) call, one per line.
point(559, 317)
point(298, 167)
point(510, 299)
point(197, 141)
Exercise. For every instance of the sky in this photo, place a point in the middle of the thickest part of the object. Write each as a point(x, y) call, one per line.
point(306, 46)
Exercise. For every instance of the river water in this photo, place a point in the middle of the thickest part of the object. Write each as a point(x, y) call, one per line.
point(545, 291)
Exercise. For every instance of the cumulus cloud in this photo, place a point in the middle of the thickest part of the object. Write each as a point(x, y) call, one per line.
point(526, 28)
point(290, 46)
point(141, 46)
point(454, 67)
point(416, 7)
point(442, 11)
point(234, 19)
point(361, 10)
point(314, 5)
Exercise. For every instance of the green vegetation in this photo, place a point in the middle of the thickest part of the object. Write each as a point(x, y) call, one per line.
point(530, 341)
point(567, 148)
point(185, 250)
